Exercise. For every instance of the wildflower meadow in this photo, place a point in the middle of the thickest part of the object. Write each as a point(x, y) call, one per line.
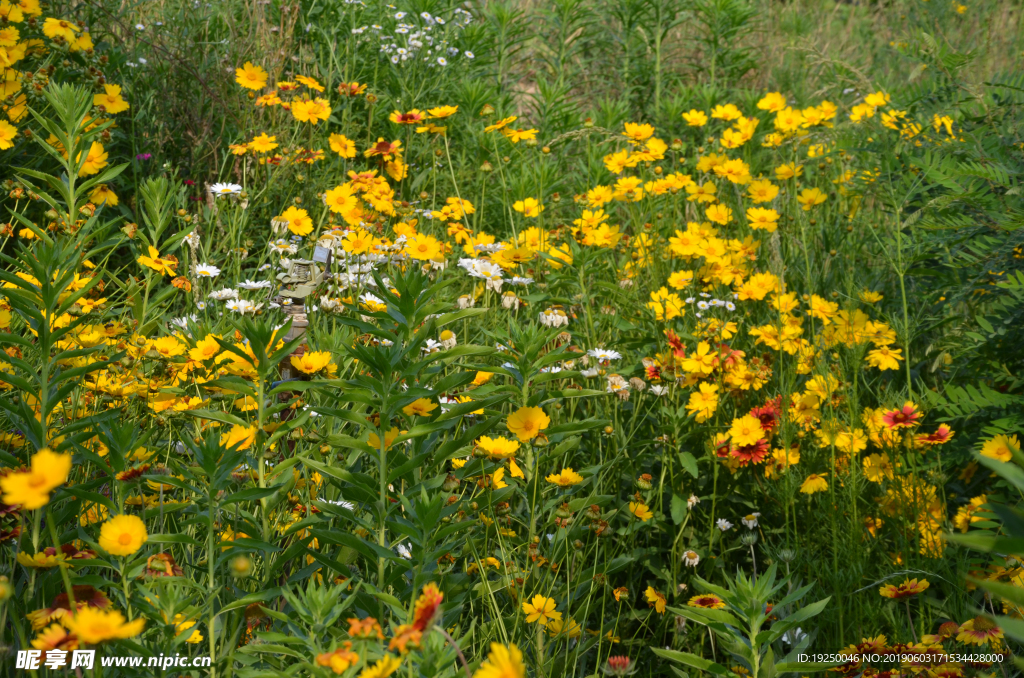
point(499, 338)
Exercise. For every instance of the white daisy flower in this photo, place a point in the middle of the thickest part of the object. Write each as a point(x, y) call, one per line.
point(692, 501)
point(255, 284)
point(603, 354)
point(751, 520)
point(690, 558)
point(723, 524)
point(207, 271)
point(226, 293)
point(220, 190)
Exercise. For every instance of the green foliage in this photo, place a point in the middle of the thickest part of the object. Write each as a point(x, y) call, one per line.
point(750, 629)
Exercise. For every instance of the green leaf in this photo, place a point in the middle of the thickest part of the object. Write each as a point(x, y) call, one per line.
point(689, 463)
point(679, 509)
point(693, 660)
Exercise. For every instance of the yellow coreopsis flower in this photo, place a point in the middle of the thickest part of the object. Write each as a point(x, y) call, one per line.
point(95, 160)
point(746, 430)
point(541, 610)
point(502, 662)
point(31, 489)
point(164, 266)
point(251, 76)
point(814, 483)
point(810, 197)
point(242, 436)
point(111, 99)
point(640, 510)
point(311, 362)
point(421, 407)
point(530, 207)
point(298, 220)
point(565, 478)
point(8, 133)
point(526, 423)
point(342, 145)
point(123, 535)
point(1001, 447)
point(92, 625)
point(656, 600)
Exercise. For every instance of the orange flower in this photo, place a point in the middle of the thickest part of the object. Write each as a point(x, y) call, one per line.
point(364, 628)
point(427, 607)
point(708, 601)
point(910, 587)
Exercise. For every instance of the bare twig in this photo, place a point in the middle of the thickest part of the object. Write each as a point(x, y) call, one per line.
point(458, 650)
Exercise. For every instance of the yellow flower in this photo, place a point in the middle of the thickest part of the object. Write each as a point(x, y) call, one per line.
point(773, 102)
point(263, 143)
point(242, 436)
point(103, 195)
point(389, 438)
point(640, 510)
point(499, 448)
point(95, 160)
point(788, 171)
point(877, 467)
point(761, 218)
point(421, 407)
point(251, 76)
point(58, 28)
point(1001, 447)
point(885, 358)
point(719, 213)
point(181, 625)
point(695, 118)
point(814, 483)
point(205, 349)
point(123, 535)
point(93, 625)
point(704, 402)
point(111, 100)
point(655, 599)
point(809, 197)
point(310, 82)
point(384, 667)
point(443, 111)
point(541, 610)
point(31, 489)
point(569, 627)
point(298, 220)
point(565, 478)
point(342, 145)
point(311, 362)
point(423, 248)
point(746, 430)
point(526, 423)
point(502, 662)
point(637, 132)
point(155, 262)
point(529, 207)
point(8, 133)
point(311, 110)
